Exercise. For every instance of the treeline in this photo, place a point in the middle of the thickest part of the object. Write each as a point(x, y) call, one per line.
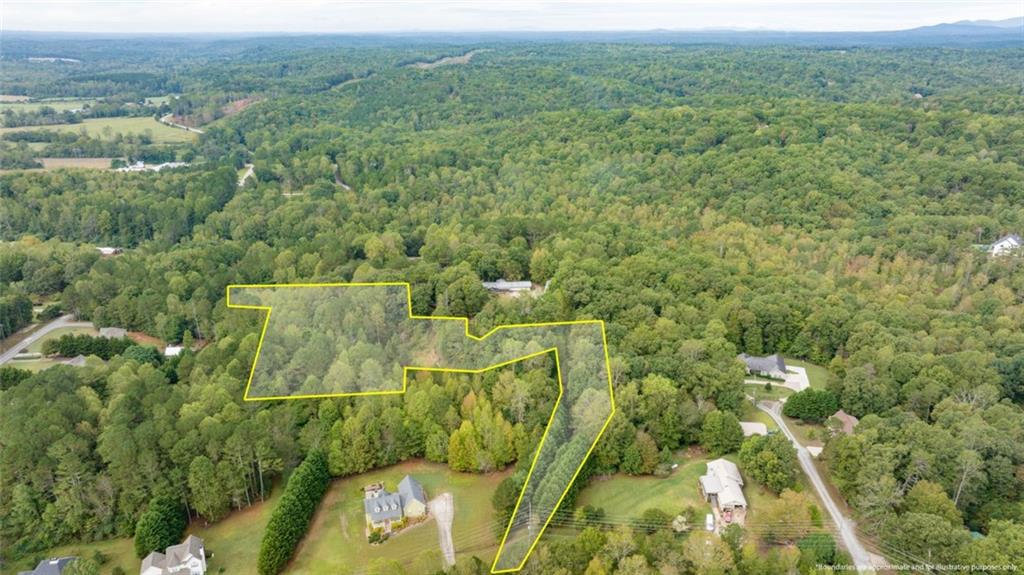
point(15, 313)
point(71, 345)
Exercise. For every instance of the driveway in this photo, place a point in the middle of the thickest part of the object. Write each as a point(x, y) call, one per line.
point(796, 379)
point(60, 322)
point(442, 508)
point(858, 553)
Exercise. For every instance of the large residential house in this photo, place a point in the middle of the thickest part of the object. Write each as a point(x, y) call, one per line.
point(722, 485)
point(55, 566)
point(185, 558)
point(1006, 245)
point(382, 508)
point(771, 366)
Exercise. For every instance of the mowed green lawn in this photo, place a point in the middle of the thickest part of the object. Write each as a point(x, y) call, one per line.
point(624, 497)
point(816, 374)
point(161, 133)
point(336, 542)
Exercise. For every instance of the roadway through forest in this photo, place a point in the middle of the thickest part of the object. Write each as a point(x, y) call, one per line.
point(60, 322)
point(166, 119)
point(860, 556)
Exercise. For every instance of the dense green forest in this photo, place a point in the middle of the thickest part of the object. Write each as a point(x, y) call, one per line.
point(823, 203)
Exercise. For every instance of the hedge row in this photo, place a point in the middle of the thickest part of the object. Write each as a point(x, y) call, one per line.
point(290, 520)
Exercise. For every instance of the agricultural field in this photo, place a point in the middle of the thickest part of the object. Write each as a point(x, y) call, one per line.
point(62, 163)
point(33, 105)
point(161, 133)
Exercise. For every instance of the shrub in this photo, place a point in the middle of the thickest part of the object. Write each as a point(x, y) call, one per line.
point(290, 520)
point(721, 433)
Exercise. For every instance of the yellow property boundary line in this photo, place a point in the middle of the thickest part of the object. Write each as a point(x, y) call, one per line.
point(405, 379)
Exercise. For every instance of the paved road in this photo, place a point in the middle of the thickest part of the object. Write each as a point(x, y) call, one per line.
point(166, 119)
point(62, 321)
point(860, 556)
point(442, 508)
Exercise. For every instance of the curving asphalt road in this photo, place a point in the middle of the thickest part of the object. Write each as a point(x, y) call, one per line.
point(860, 556)
point(62, 321)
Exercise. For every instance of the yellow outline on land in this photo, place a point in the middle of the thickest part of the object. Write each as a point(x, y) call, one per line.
point(405, 379)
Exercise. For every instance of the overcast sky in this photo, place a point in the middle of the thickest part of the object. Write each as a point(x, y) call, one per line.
point(345, 16)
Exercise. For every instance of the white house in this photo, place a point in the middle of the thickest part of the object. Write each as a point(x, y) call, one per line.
point(173, 350)
point(1005, 245)
point(722, 485)
point(185, 558)
point(109, 251)
point(507, 286)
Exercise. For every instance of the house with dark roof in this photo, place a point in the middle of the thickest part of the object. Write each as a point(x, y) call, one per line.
point(414, 498)
point(771, 366)
point(1006, 245)
point(54, 566)
point(185, 558)
point(383, 508)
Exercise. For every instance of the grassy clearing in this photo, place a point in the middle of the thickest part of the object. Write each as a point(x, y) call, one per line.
point(97, 127)
point(627, 497)
point(760, 392)
point(59, 105)
point(336, 542)
point(816, 374)
point(806, 433)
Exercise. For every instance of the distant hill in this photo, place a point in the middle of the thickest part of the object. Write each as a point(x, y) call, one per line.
point(965, 33)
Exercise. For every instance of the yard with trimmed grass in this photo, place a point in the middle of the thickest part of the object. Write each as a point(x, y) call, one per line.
point(817, 375)
point(37, 347)
point(627, 497)
point(336, 542)
point(760, 392)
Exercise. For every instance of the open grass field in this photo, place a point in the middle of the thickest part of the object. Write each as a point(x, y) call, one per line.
point(59, 105)
point(816, 374)
point(336, 542)
point(161, 133)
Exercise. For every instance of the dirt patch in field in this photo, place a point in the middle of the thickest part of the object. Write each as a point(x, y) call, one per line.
point(11, 98)
point(446, 61)
point(91, 163)
point(144, 339)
